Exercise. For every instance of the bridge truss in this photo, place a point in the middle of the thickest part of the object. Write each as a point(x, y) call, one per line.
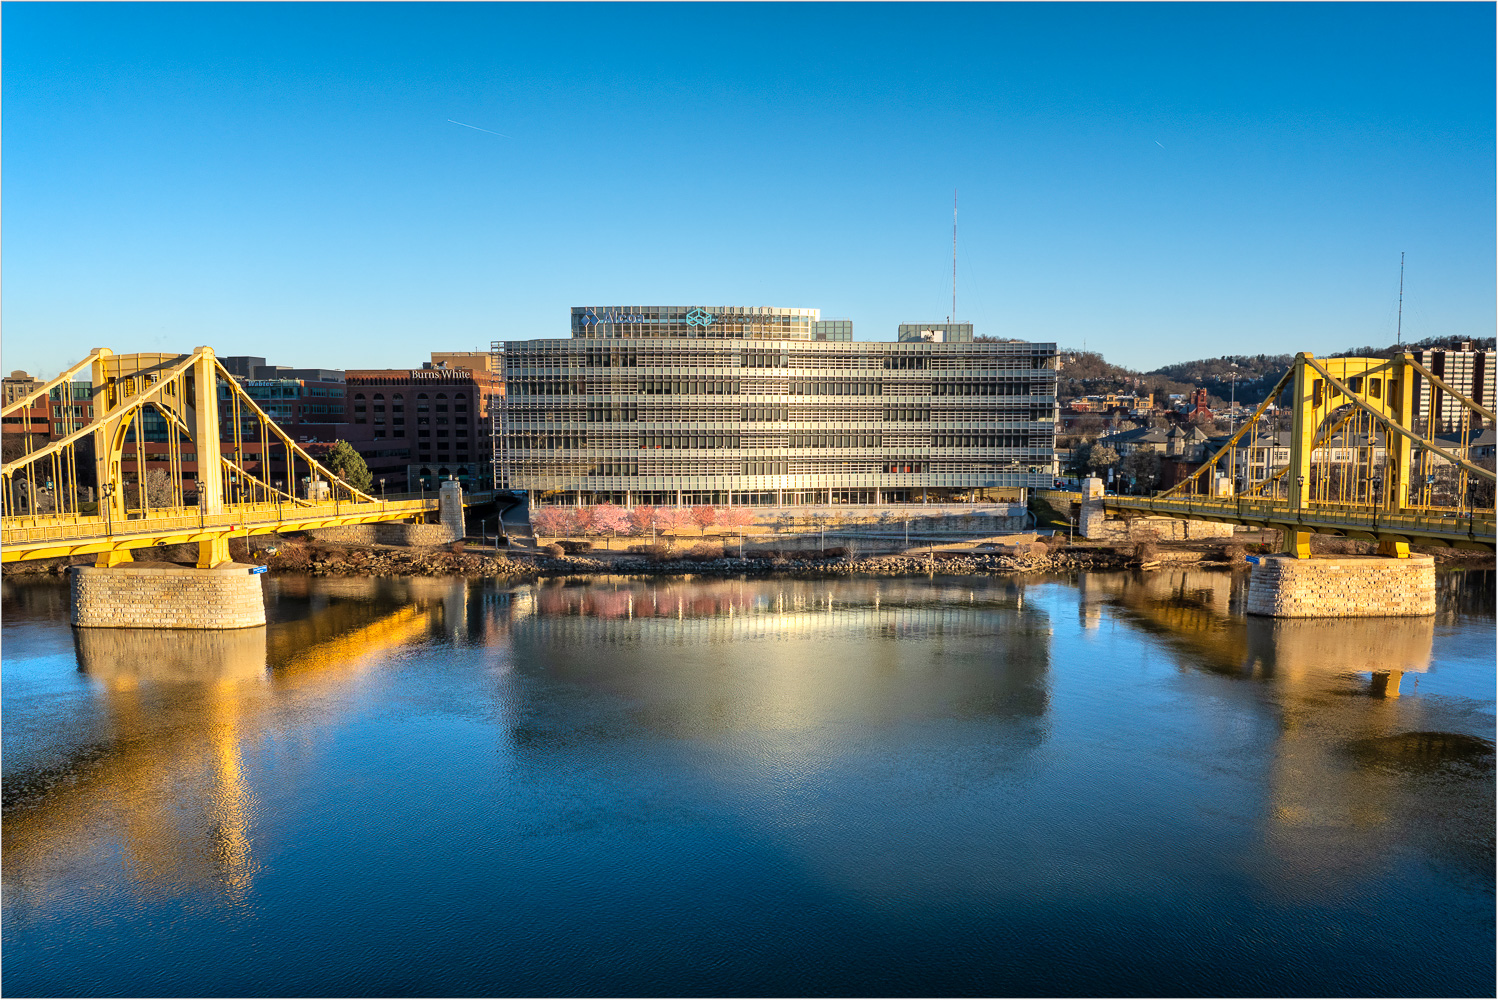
point(115, 481)
point(1348, 455)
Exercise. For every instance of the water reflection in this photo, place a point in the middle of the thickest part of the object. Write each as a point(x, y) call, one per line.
point(163, 782)
point(1350, 767)
point(791, 655)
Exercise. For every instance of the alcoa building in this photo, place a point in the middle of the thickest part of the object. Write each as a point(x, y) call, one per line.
point(767, 406)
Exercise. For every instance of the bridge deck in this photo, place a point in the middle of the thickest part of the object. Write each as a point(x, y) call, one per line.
point(1440, 525)
point(44, 536)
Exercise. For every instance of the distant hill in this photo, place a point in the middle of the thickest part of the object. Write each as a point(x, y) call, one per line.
point(1087, 373)
point(1428, 344)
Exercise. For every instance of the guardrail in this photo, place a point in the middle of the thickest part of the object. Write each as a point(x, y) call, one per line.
point(21, 532)
point(1442, 524)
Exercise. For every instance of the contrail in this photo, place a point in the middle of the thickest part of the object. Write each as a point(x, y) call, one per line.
point(1157, 141)
point(477, 129)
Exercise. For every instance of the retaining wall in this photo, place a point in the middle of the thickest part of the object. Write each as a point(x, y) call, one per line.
point(388, 533)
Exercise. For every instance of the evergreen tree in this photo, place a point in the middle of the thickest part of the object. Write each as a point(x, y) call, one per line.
point(348, 465)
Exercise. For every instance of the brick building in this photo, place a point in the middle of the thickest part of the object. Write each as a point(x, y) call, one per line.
point(416, 427)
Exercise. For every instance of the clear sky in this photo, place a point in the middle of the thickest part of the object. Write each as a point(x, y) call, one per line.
point(1160, 182)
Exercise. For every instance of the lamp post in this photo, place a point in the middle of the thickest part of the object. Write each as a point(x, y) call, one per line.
point(107, 492)
point(278, 499)
point(382, 489)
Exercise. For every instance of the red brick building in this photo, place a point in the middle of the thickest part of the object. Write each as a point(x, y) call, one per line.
point(416, 427)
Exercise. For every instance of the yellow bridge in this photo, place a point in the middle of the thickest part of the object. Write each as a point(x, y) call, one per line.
point(1360, 461)
point(118, 480)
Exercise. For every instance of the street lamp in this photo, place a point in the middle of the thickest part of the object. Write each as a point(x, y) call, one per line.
point(382, 487)
point(107, 492)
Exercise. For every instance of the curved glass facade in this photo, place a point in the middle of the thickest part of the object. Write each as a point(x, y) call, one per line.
point(695, 322)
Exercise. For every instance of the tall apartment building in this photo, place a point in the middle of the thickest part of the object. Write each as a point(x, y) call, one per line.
point(1468, 371)
point(695, 404)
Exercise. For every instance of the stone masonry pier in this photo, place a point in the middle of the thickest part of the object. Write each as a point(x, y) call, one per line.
point(1342, 587)
point(154, 596)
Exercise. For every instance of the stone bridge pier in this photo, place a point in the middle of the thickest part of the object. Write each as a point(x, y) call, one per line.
point(156, 595)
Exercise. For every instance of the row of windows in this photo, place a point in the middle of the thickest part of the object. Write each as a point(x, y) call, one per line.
point(822, 440)
point(689, 387)
point(907, 413)
point(942, 387)
point(794, 387)
point(652, 439)
point(459, 398)
point(720, 440)
point(979, 440)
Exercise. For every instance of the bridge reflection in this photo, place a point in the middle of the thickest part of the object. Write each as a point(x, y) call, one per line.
point(1352, 768)
point(176, 712)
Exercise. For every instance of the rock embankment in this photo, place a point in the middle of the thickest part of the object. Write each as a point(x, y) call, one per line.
point(396, 562)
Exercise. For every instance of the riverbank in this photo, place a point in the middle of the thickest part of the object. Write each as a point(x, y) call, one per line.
point(320, 558)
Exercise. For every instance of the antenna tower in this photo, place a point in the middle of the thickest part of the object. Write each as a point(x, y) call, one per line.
point(1399, 334)
point(954, 256)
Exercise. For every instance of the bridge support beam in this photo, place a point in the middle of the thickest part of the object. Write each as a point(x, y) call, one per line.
point(161, 596)
point(1284, 586)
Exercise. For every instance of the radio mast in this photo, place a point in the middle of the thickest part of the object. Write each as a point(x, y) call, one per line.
point(954, 257)
point(1399, 334)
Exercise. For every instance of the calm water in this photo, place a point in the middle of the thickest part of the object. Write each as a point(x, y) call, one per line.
point(1112, 785)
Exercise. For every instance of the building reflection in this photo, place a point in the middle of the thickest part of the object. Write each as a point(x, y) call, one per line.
point(1352, 763)
point(791, 655)
point(174, 712)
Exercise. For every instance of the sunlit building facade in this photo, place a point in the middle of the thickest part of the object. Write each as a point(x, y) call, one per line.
point(661, 405)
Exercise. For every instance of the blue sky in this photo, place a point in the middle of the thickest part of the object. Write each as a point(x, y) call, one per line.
point(1160, 182)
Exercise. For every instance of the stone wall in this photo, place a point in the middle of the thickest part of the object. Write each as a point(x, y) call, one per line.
point(387, 533)
point(153, 596)
point(1165, 529)
point(1342, 587)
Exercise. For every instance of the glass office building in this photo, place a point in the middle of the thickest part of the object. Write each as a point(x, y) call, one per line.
point(642, 406)
point(935, 333)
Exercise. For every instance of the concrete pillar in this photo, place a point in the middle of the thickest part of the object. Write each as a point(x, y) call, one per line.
point(1091, 516)
point(678, 498)
point(450, 507)
point(205, 439)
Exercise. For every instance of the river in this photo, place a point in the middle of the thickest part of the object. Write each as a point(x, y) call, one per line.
point(1111, 783)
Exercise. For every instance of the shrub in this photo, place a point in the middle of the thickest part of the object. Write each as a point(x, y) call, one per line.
point(703, 551)
point(456, 548)
point(573, 548)
point(554, 550)
point(1036, 550)
point(1233, 553)
point(1146, 551)
point(834, 552)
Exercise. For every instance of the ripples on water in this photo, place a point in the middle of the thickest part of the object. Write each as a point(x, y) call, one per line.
point(1111, 785)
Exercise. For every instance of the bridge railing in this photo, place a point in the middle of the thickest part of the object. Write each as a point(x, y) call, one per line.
point(18, 531)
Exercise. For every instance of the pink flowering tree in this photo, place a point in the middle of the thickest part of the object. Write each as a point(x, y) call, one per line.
point(554, 521)
point(643, 518)
point(611, 518)
point(584, 516)
point(705, 516)
point(671, 519)
point(735, 517)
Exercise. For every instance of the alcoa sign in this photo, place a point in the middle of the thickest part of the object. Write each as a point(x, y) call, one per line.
point(697, 317)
